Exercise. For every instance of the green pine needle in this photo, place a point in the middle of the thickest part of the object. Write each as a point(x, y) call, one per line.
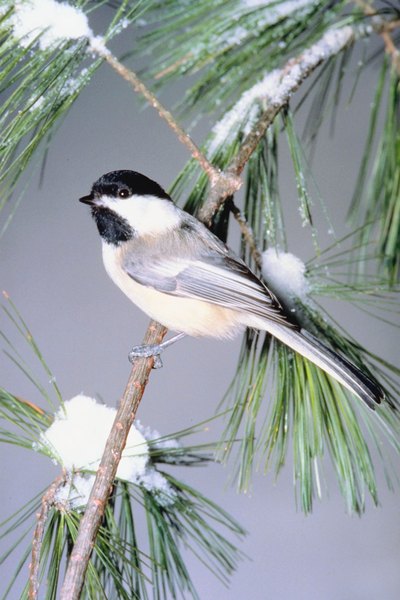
point(244, 41)
point(118, 567)
point(263, 205)
point(39, 87)
point(23, 421)
point(279, 402)
point(22, 328)
point(376, 197)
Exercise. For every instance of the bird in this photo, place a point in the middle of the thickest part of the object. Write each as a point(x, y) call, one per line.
point(180, 274)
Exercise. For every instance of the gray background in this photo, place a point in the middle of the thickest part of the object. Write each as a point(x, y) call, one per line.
point(51, 266)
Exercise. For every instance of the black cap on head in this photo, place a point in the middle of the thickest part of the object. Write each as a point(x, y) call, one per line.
point(130, 182)
point(113, 228)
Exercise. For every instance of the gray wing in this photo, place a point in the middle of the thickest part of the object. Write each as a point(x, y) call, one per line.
point(206, 270)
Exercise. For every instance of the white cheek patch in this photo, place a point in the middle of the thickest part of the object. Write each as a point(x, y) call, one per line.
point(145, 214)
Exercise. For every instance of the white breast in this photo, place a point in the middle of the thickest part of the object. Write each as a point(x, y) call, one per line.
point(186, 315)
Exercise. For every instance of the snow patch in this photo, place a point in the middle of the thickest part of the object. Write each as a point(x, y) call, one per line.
point(76, 439)
point(276, 88)
point(53, 21)
point(79, 433)
point(284, 273)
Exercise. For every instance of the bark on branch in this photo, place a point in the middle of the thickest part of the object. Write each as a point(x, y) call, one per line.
point(46, 504)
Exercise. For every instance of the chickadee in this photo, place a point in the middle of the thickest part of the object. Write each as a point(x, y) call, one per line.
point(179, 273)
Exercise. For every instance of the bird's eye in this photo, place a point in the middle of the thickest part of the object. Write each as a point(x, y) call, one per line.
point(124, 193)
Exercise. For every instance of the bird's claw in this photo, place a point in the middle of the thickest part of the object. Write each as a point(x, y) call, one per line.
point(147, 351)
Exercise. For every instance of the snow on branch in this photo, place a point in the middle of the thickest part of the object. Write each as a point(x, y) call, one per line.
point(277, 86)
point(257, 108)
point(78, 434)
point(76, 439)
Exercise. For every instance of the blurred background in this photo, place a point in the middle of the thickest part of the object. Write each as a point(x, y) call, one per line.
point(52, 268)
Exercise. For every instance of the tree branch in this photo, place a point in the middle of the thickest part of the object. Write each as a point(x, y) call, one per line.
point(287, 81)
point(91, 520)
point(247, 234)
point(139, 87)
point(226, 181)
point(46, 504)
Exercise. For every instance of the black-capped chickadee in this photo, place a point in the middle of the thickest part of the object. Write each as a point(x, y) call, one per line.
point(179, 273)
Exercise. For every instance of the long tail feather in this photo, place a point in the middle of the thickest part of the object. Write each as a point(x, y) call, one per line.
point(331, 362)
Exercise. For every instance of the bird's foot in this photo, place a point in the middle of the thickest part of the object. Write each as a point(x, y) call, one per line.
point(155, 350)
point(147, 351)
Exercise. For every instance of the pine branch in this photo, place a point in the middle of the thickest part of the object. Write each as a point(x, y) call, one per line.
point(46, 504)
point(286, 82)
point(177, 513)
point(91, 520)
point(216, 177)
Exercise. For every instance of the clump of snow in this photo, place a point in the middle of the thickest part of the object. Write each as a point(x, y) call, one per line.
point(285, 274)
point(79, 433)
point(76, 439)
point(276, 88)
point(53, 21)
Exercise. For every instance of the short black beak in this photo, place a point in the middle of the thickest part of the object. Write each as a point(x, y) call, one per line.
point(87, 199)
